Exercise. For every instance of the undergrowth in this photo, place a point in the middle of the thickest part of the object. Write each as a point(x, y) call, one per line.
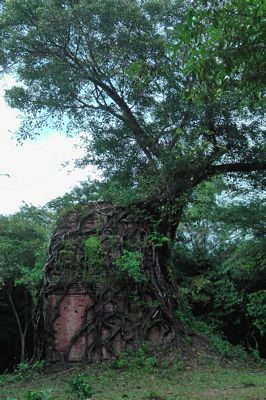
point(132, 359)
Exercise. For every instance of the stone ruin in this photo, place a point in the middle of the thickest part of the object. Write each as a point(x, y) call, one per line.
point(92, 312)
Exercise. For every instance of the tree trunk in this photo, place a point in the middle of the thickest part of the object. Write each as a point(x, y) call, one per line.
point(22, 353)
point(22, 332)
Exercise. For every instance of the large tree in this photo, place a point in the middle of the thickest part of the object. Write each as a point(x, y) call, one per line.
point(121, 72)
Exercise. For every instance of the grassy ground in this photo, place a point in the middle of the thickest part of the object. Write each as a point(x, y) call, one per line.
point(207, 379)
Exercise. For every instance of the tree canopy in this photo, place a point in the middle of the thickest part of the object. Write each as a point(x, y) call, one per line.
point(224, 44)
point(23, 246)
point(125, 73)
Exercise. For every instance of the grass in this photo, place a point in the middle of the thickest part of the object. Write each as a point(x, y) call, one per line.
point(208, 379)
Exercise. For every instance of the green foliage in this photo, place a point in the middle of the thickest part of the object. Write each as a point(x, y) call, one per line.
point(152, 395)
point(77, 199)
point(146, 133)
point(223, 49)
point(23, 242)
point(38, 366)
point(123, 195)
point(178, 365)
point(25, 370)
point(256, 310)
point(80, 387)
point(23, 246)
point(136, 359)
point(25, 367)
point(248, 260)
point(130, 262)
point(66, 211)
point(226, 297)
point(94, 269)
point(93, 252)
point(23, 249)
point(70, 256)
point(212, 379)
point(10, 398)
point(164, 111)
point(221, 345)
point(45, 394)
point(220, 259)
point(157, 239)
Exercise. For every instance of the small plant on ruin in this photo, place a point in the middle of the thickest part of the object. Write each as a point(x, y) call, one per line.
point(129, 262)
point(94, 260)
point(93, 254)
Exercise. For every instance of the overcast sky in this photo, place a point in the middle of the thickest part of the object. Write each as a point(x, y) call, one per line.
point(35, 168)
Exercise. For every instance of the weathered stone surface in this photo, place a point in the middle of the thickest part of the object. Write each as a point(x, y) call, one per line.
point(72, 312)
point(94, 317)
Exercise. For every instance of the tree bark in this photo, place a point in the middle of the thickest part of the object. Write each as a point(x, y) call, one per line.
point(22, 332)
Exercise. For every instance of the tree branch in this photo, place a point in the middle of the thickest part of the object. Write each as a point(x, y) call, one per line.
point(236, 167)
point(148, 146)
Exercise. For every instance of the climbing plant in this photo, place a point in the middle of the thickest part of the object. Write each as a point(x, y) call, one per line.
point(130, 262)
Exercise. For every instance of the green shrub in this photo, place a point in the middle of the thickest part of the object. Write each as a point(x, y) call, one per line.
point(23, 367)
point(80, 387)
point(226, 297)
point(135, 360)
point(178, 365)
point(44, 394)
point(4, 378)
point(130, 263)
point(223, 347)
point(93, 254)
point(122, 362)
point(38, 366)
point(9, 398)
point(153, 396)
point(94, 261)
point(256, 310)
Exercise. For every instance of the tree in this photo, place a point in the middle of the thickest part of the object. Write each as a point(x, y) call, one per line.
point(23, 242)
point(224, 46)
point(220, 261)
point(81, 194)
point(124, 85)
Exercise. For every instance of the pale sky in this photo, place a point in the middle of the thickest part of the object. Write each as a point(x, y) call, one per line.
point(35, 167)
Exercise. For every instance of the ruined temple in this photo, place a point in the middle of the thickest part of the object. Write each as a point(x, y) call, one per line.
point(103, 287)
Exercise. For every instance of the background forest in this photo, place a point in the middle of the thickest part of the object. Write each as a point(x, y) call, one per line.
point(171, 101)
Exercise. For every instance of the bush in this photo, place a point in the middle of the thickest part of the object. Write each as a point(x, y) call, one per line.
point(80, 387)
point(140, 359)
point(24, 370)
point(23, 367)
point(44, 394)
point(256, 310)
point(130, 262)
